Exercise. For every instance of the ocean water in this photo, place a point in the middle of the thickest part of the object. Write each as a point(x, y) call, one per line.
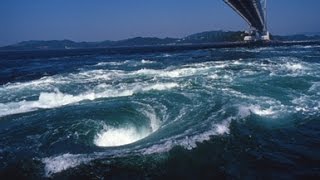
point(217, 113)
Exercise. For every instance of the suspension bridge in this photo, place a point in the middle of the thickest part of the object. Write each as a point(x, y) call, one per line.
point(254, 12)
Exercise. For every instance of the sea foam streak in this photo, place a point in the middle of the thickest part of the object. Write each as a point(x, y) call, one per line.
point(58, 99)
point(60, 163)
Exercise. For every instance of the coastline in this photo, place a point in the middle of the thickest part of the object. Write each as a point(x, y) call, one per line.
point(32, 54)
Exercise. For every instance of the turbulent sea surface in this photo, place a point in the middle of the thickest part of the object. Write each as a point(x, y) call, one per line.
point(216, 113)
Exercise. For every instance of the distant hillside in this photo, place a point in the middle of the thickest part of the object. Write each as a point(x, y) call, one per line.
point(144, 41)
point(198, 38)
point(214, 36)
point(67, 44)
point(45, 45)
point(204, 37)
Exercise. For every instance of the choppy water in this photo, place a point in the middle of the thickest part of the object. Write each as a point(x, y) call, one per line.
point(235, 113)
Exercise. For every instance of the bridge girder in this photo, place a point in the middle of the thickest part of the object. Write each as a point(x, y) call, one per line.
point(251, 11)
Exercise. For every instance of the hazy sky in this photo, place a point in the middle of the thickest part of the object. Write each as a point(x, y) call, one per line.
point(96, 20)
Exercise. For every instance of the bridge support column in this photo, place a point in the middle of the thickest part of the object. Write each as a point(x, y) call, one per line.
point(254, 35)
point(266, 37)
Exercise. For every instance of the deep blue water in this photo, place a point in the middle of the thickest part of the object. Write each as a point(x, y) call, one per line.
point(218, 113)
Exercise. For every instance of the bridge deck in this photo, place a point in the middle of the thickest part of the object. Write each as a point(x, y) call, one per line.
point(251, 11)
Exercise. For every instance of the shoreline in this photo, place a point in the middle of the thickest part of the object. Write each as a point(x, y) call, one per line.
point(32, 54)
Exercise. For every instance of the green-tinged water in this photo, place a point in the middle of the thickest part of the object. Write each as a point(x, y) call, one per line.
point(219, 113)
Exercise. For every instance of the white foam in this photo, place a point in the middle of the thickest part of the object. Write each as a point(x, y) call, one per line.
point(283, 66)
point(189, 141)
point(113, 63)
point(307, 104)
point(294, 66)
point(262, 112)
point(245, 111)
point(166, 55)
point(172, 73)
point(36, 84)
point(160, 86)
point(223, 128)
point(145, 61)
point(94, 75)
point(63, 162)
point(220, 66)
point(57, 99)
point(110, 137)
point(103, 75)
point(15, 108)
point(237, 62)
point(45, 101)
point(214, 76)
point(308, 47)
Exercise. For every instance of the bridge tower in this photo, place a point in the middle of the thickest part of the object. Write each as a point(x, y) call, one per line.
point(266, 34)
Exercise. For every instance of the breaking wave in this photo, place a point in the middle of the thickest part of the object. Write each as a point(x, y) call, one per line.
point(57, 99)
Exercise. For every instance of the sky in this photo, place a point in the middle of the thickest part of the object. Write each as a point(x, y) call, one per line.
point(98, 20)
